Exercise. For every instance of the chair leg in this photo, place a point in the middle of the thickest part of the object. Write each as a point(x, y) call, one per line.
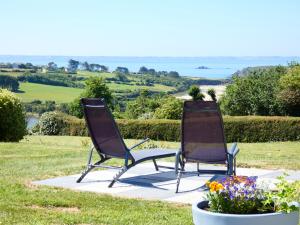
point(84, 173)
point(118, 175)
point(155, 165)
point(178, 181)
point(89, 166)
point(178, 162)
point(234, 164)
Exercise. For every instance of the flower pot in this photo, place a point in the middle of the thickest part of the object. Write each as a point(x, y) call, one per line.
point(204, 217)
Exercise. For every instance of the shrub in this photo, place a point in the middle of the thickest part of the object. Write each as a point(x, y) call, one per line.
point(51, 123)
point(9, 82)
point(95, 88)
point(170, 108)
point(12, 117)
point(237, 129)
point(57, 123)
point(212, 93)
point(195, 92)
point(165, 130)
point(54, 79)
point(289, 94)
point(253, 93)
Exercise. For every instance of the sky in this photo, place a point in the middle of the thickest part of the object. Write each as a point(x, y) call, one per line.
point(150, 27)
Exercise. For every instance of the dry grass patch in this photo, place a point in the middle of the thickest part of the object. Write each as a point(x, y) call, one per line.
point(56, 209)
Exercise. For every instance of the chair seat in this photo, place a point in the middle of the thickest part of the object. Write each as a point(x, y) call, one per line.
point(152, 153)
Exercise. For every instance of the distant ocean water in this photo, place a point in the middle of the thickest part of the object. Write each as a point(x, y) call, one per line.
point(219, 67)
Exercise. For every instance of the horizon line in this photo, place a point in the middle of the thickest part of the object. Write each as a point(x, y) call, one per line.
point(151, 56)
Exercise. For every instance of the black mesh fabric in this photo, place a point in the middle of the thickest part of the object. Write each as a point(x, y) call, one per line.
point(102, 128)
point(202, 132)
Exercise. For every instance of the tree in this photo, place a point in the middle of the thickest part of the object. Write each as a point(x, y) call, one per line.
point(195, 93)
point(122, 70)
point(73, 66)
point(173, 74)
point(104, 68)
point(9, 82)
point(289, 93)
point(95, 88)
point(170, 108)
point(143, 70)
point(152, 71)
point(85, 66)
point(143, 104)
point(212, 93)
point(52, 66)
point(121, 77)
point(254, 93)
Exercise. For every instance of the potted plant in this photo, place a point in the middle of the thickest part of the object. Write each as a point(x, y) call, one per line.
point(240, 200)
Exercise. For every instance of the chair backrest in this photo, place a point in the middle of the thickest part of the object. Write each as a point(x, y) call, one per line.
point(202, 132)
point(103, 128)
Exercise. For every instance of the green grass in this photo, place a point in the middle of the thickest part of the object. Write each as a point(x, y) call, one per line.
point(31, 91)
point(89, 74)
point(40, 157)
point(43, 157)
point(127, 87)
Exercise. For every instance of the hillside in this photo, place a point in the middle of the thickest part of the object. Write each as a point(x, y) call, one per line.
point(63, 87)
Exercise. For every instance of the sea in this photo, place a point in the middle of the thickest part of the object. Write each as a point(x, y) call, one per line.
point(215, 67)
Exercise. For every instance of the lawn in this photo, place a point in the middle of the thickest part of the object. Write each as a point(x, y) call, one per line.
point(133, 87)
point(31, 91)
point(39, 157)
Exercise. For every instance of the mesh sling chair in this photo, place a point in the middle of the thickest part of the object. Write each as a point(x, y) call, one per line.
point(108, 143)
point(203, 140)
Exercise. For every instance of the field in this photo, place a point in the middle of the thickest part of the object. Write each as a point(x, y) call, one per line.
point(33, 91)
point(30, 91)
point(39, 157)
point(130, 86)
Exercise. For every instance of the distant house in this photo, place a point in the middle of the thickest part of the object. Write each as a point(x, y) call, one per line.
point(70, 70)
point(44, 69)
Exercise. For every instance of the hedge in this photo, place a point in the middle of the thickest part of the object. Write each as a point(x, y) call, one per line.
point(237, 129)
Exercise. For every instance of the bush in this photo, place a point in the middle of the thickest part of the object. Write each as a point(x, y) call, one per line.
point(57, 123)
point(51, 123)
point(253, 93)
point(289, 94)
point(9, 82)
point(237, 129)
point(12, 117)
point(195, 92)
point(95, 88)
point(170, 108)
point(54, 79)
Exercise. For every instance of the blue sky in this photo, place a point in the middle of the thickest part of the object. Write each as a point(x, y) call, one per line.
point(150, 27)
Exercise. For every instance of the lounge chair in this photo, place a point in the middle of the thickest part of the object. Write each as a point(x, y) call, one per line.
point(108, 143)
point(203, 140)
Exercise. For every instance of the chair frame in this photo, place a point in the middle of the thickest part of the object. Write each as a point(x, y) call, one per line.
point(128, 157)
point(181, 161)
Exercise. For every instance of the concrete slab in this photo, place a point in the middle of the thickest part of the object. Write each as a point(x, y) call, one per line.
point(142, 181)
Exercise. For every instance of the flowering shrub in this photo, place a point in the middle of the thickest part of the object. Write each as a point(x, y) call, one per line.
point(241, 195)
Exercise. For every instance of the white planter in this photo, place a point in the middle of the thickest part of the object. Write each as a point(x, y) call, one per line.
point(203, 217)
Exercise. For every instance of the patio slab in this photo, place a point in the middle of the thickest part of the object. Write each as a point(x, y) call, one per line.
point(142, 181)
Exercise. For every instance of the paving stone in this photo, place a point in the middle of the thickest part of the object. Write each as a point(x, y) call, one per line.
point(143, 182)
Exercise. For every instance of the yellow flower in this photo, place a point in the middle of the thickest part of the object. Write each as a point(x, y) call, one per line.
point(215, 186)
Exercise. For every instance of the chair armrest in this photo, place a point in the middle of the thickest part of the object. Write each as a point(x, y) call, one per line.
point(234, 150)
point(142, 142)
